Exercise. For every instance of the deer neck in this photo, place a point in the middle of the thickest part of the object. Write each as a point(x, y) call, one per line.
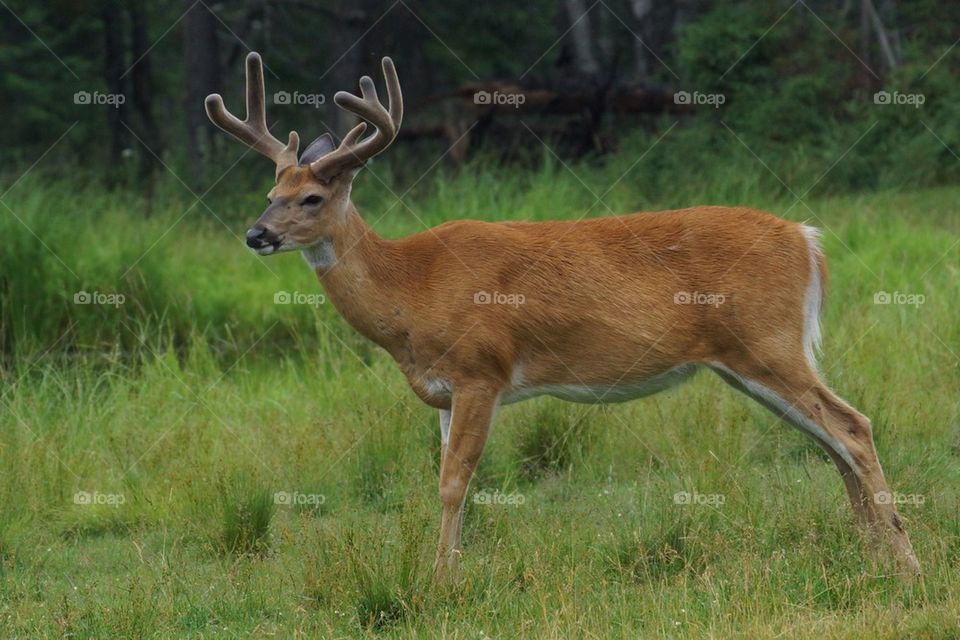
point(362, 275)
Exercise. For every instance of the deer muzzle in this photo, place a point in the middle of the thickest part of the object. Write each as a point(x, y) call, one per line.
point(262, 240)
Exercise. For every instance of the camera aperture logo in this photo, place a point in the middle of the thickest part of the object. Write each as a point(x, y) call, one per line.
point(96, 98)
point(914, 100)
point(499, 99)
point(315, 100)
point(296, 297)
point(696, 98)
point(899, 297)
point(510, 299)
point(86, 498)
point(700, 499)
point(99, 298)
point(699, 298)
point(295, 498)
point(495, 498)
point(887, 497)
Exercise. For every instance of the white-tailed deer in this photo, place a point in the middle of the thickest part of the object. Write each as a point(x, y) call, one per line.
point(480, 314)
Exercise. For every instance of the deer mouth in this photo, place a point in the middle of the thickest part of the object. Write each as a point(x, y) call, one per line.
point(268, 249)
point(278, 245)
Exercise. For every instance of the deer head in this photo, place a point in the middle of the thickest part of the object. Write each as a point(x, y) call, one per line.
point(311, 197)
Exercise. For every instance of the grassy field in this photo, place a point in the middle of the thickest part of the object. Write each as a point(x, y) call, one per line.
point(198, 461)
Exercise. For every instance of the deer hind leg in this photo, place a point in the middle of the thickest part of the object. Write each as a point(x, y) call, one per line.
point(796, 394)
point(859, 499)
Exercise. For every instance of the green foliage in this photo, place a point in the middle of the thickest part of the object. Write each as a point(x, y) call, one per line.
point(795, 91)
point(198, 442)
point(553, 441)
point(247, 513)
point(795, 75)
point(195, 401)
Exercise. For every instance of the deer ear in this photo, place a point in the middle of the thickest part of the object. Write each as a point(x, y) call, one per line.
point(317, 149)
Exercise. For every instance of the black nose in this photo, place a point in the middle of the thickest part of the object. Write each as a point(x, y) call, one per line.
point(257, 237)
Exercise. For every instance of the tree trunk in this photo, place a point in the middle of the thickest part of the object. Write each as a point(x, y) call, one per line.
point(641, 9)
point(867, 75)
point(685, 11)
point(889, 57)
point(111, 16)
point(351, 22)
point(201, 60)
point(142, 80)
point(583, 58)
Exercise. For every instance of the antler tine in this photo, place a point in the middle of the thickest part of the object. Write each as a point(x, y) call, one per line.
point(253, 130)
point(393, 92)
point(256, 94)
point(353, 152)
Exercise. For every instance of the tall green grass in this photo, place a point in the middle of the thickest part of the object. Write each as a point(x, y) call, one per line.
point(184, 412)
point(180, 265)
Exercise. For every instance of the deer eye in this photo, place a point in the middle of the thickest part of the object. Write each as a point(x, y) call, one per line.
point(311, 200)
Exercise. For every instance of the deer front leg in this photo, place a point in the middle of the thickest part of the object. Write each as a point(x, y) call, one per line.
point(445, 416)
point(472, 414)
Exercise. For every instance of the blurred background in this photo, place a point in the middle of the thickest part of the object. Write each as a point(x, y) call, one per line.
point(587, 73)
point(165, 395)
point(662, 102)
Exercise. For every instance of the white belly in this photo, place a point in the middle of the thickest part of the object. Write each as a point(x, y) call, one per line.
point(599, 394)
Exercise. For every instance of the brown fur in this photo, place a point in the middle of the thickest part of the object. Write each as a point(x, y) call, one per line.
point(595, 307)
point(603, 287)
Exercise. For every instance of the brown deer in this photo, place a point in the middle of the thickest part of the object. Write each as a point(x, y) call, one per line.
point(480, 314)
